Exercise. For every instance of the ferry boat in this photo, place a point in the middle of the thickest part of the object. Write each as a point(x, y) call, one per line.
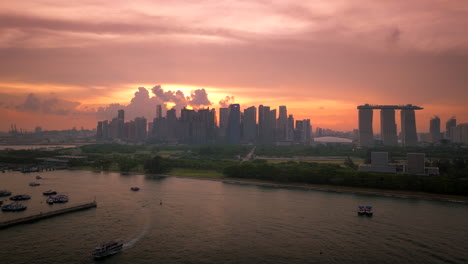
point(135, 189)
point(107, 249)
point(4, 193)
point(14, 207)
point(20, 197)
point(49, 192)
point(34, 184)
point(369, 210)
point(361, 210)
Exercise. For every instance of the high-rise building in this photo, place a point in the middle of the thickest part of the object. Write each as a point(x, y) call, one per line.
point(121, 114)
point(282, 124)
point(234, 124)
point(434, 129)
point(366, 134)
point(460, 134)
point(449, 128)
point(223, 123)
point(140, 129)
point(409, 136)
point(249, 127)
point(158, 111)
point(388, 127)
point(290, 129)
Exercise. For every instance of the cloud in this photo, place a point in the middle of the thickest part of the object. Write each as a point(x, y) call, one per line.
point(143, 104)
point(48, 105)
point(224, 103)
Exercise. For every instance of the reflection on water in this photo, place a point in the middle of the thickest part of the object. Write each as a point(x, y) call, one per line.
point(214, 222)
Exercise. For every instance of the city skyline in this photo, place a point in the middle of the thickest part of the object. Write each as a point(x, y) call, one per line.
point(62, 63)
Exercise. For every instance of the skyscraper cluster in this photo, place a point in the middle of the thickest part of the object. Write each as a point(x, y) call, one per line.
point(201, 127)
point(118, 129)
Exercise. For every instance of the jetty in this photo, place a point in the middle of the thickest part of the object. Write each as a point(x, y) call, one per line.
point(40, 216)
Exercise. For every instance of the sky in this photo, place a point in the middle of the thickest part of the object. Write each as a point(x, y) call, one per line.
point(67, 64)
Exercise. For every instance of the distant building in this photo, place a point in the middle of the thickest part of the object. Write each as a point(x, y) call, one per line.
point(409, 136)
point(234, 124)
point(450, 126)
point(379, 163)
point(434, 129)
point(460, 134)
point(388, 127)
point(249, 126)
point(366, 134)
point(416, 163)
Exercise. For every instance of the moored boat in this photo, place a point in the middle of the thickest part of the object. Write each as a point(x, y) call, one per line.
point(135, 189)
point(14, 207)
point(61, 198)
point(369, 211)
point(361, 210)
point(107, 249)
point(4, 193)
point(49, 192)
point(50, 200)
point(34, 184)
point(20, 197)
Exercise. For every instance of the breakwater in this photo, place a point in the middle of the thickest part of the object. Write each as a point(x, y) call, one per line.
point(40, 216)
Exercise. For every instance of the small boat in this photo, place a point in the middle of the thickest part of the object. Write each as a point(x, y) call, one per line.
point(369, 210)
point(50, 200)
point(20, 197)
point(14, 207)
point(34, 184)
point(135, 189)
point(4, 193)
point(38, 177)
point(361, 210)
point(107, 249)
point(49, 192)
point(61, 198)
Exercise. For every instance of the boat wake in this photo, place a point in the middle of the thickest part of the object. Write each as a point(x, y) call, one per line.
point(135, 240)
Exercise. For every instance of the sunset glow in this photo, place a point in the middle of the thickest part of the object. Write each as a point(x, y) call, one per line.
point(68, 65)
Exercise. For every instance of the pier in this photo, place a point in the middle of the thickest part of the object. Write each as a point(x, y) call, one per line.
point(37, 217)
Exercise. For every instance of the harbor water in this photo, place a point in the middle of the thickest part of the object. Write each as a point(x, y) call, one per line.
point(181, 220)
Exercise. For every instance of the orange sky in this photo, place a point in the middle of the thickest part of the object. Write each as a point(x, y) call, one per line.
point(61, 61)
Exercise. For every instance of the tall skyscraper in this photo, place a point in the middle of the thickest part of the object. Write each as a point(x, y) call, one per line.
point(233, 128)
point(388, 127)
point(366, 134)
point(434, 129)
point(282, 123)
point(409, 136)
point(121, 114)
point(158, 111)
point(223, 123)
point(249, 127)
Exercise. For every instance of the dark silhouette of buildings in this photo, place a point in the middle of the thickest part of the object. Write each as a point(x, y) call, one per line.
point(388, 125)
point(200, 127)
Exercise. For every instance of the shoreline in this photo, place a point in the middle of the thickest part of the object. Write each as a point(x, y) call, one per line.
point(326, 188)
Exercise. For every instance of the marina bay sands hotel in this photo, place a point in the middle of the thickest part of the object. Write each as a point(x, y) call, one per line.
point(388, 126)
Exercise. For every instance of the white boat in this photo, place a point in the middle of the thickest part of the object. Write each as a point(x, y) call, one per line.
point(107, 249)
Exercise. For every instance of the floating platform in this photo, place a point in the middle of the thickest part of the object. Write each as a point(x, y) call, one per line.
point(37, 217)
